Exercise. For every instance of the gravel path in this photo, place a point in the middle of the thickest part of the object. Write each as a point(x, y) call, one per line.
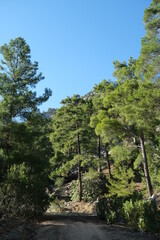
point(83, 228)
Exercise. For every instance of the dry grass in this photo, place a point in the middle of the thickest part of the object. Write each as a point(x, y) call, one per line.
point(60, 206)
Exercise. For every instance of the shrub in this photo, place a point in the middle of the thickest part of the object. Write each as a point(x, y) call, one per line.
point(110, 209)
point(142, 215)
point(151, 217)
point(101, 208)
point(132, 212)
point(59, 182)
point(74, 193)
point(23, 194)
point(92, 188)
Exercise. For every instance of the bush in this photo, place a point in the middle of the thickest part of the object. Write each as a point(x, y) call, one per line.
point(101, 208)
point(132, 212)
point(73, 192)
point(110, 209)
point(92, 188)
point(142, 215)
point(23, 194)
point(59, 182)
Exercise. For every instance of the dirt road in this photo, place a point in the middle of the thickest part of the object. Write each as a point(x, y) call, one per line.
point(83, 228)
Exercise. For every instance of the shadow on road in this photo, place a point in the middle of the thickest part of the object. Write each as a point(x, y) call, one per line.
point(74, 218)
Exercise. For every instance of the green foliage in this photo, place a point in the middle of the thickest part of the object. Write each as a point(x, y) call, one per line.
point(149, 60)
point(110, 209)
point(18, 77)
point(122, 182)
point(30, 142)
point(142, 215)
point(59, 182)
point(101, 208)
point(23, 194)
point(132, 211)
point(93, 187)
point(25, 146)
point(74, 191)
point(71, 138)
point(71, 121)
point(130, 115)
point(154, 165)
point(19, 103)
point(2, 163)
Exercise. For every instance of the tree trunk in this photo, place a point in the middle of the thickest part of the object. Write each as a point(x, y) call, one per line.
point(109, 165)
point(8, 137)
point(80, 181)
point(99, 154)
point(145, 165)
point(79, 165)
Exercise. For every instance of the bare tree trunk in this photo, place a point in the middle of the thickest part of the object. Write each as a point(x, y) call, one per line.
point(99, 154)
point(145, 165)
point(79, 165)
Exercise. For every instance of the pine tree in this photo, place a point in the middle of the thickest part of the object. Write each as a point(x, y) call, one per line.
point(67, 135)
point(24, 133)
point(99, 93)
point(149, 59)
point(73, 139)
point(18, 76)
point(132, 110)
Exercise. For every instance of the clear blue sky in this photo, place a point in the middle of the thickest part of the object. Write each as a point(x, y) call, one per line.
point(74, 41)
